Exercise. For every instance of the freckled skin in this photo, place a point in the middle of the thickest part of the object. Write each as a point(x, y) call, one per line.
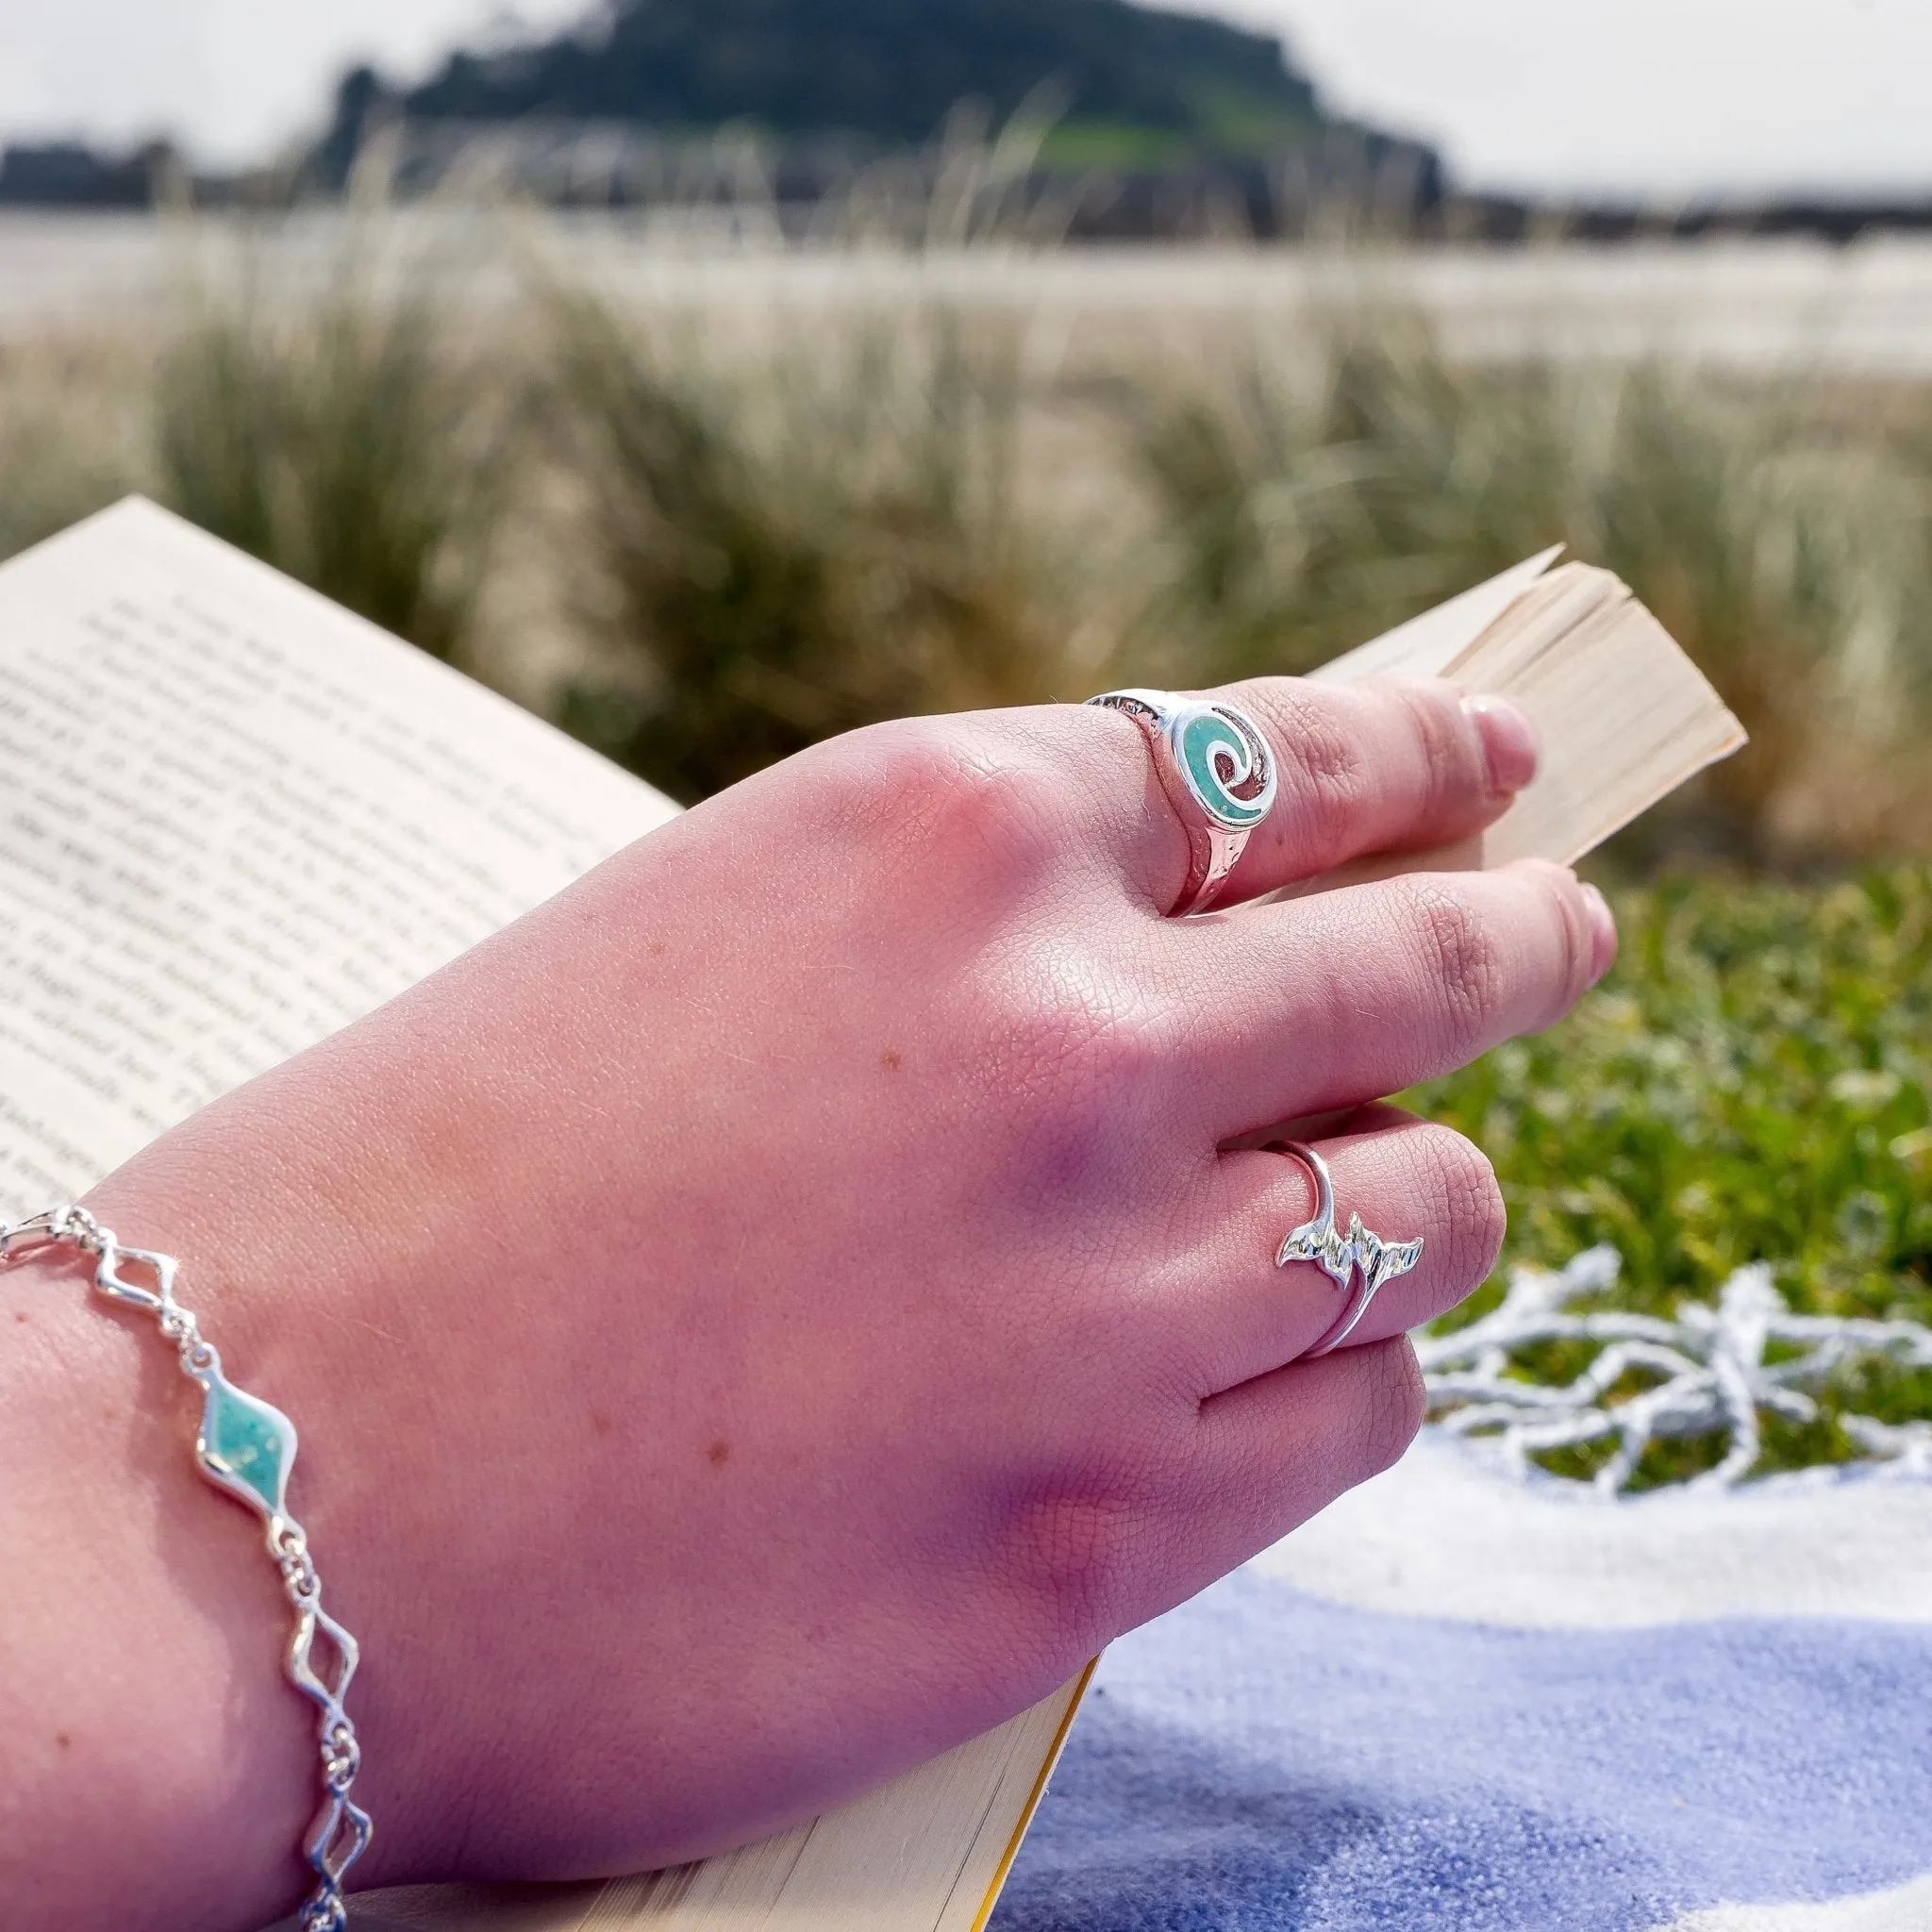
point(991, 1349)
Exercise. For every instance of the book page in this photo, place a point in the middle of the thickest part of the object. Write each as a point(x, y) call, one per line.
point(1625, 717)
point(234, 818)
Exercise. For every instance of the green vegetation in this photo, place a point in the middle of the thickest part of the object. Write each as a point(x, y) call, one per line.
point(702, 535)
point(752, 527)
point(1753, 1082)
point(70, 434)
point(1782, 531)
point(829, 538)
point(1126, 148)
point(336, 438)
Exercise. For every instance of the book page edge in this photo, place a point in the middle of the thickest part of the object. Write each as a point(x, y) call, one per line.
point(1392, 654)
point(1731, 741)
point(1034, 1797)
point(1593, 589)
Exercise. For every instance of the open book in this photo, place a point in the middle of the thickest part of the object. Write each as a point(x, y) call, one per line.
point(233, 818)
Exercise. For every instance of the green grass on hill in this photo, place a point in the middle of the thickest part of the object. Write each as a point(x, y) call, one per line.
point(1753, 1082)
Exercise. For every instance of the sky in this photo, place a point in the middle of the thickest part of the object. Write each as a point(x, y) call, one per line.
point(1654, 98)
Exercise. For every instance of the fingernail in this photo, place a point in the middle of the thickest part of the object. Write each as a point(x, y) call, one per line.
point(1603, 932)
point(1509, 741)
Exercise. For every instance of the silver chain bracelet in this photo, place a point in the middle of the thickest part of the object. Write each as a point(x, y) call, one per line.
point(245, 1448)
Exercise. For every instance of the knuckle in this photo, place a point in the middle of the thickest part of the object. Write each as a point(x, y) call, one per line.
point(995, 806)
point(1460, 954)
point(1074, 1052)
point(1474, 1213)
point(1559, 902)
point(1325, 771)
point(1394, 1404)
point(1140, 1044)
point(1067, 1018)
point(981, 803)
point(1450, 773)
point(1076, 1548)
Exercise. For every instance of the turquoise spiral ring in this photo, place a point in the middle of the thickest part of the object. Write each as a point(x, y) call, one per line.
point(1218, 774)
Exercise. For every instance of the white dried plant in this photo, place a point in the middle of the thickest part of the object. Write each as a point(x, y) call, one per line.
point(1708, 1372)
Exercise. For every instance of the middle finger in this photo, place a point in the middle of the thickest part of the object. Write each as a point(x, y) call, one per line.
point(1358, 992)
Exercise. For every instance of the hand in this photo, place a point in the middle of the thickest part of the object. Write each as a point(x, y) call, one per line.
point(767, 1316)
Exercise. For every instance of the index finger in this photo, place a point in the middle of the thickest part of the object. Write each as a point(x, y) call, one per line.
point(1373, 768)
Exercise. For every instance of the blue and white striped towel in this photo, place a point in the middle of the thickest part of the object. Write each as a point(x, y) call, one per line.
point(1461, 1703)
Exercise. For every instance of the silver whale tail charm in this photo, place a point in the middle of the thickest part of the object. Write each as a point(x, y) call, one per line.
point(1343, 1256)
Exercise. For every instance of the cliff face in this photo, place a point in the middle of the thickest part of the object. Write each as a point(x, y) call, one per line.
point(1154, 87)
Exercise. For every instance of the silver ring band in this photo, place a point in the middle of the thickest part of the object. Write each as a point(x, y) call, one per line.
point(1359, 1262)
point(1219, 775)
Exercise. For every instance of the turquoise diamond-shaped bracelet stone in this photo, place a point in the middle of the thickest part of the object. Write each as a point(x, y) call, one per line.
point(245, 1448)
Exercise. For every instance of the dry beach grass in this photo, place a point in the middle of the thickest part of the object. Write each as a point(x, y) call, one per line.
point(707, 519)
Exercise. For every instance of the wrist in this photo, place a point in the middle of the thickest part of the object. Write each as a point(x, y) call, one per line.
point(161, 1770)
point(309, 1291)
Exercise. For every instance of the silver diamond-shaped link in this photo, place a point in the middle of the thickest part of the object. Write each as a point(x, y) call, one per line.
point(337, 1837)
point(309, 1624)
